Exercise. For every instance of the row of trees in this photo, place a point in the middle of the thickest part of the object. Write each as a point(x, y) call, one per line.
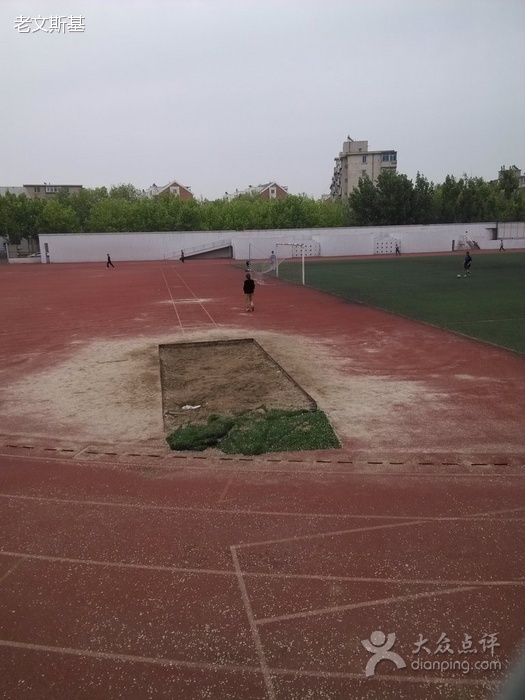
point(122, 209)
point(393, 199)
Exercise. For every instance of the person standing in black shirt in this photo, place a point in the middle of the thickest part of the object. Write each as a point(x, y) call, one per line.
point(249, 289)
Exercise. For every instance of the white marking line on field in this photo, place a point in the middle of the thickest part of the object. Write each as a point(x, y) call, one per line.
point(407, 519)
point(225, 490)
point(489, 513)
point(110, 656)
point(13, 568)
point(256, 574)
point(253, 626)
point(172, 300)
point(379, 678)
point(488, 320)
point(197, 299)
point(128, 658)
point(336, 533)
point(367, 604)
point(118, 564)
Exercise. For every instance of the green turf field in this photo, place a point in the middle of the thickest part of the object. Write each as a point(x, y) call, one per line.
point(489, 304)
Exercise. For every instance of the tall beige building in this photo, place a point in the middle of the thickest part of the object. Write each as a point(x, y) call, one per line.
point(355, 161)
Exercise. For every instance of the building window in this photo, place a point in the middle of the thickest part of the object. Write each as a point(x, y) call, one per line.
point(363, 173)
point(273, 193)
point(364, 159)
point(389, 157)
point(175, 190)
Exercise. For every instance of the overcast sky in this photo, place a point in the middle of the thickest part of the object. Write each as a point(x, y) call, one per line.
point(222, 94)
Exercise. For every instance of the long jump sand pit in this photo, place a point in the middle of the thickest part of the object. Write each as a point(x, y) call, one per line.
point(199, 379)
point(109, 391)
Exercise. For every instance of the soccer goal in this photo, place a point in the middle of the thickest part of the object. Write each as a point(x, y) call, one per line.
point(262, 266)
point(290, 265)
point(290, 262)
point(285, 261)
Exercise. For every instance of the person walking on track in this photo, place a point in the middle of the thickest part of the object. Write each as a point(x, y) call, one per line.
point(109, 263)
point(249, 289)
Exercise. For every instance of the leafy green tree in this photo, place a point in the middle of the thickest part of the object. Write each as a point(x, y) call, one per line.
point(58, 218)
point(122, 191)
point(20, 217)
point(364, 203)
point(508, 181)
point(149, 216)
point(446, 199)
point(83, 201)
point(9, 221)
point(190, 218)
point(422, 207)
point(395, 199)
point(517, 210)
point(112, 216)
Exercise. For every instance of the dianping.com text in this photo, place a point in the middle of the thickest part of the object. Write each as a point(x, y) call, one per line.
point(465, 666)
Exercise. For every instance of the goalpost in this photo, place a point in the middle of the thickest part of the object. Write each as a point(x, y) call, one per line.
point(286, 261)
point(290, 262)
point(260, 264)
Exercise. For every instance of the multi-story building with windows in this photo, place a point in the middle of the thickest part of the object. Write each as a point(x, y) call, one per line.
point(520, 179)
point(48, 191)
point(356, 161)
point(42, 191)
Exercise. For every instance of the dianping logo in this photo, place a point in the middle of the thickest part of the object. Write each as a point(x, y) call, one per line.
point(445, 656)
point(379, 645)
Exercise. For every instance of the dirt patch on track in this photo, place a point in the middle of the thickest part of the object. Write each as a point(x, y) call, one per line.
point(110, 391)
point(225, 377)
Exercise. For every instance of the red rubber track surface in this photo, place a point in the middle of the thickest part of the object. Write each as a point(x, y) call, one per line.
point(131, 572)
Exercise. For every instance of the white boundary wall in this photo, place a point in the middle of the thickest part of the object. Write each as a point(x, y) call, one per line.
point(333, 242)
point(93, 247)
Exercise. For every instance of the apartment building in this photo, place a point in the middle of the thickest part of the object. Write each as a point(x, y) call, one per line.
point(41, 191)
point(517, 173)
point(356, 161)
point(47, 191)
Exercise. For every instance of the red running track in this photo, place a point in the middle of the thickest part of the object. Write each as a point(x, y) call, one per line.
point(172, 577)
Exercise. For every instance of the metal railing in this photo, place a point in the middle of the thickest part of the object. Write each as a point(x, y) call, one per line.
point(196, 249)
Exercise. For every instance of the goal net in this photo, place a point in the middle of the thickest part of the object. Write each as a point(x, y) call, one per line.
point(290, 262)
point(285, 261)
point(261, 266)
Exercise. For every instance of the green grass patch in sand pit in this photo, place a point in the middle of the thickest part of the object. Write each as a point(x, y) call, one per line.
point(257, 432)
